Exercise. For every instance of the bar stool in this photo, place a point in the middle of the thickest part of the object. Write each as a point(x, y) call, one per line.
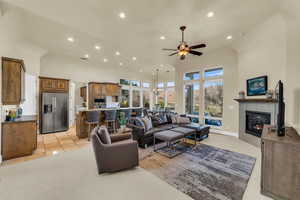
point(92, 119)
point(110, 118)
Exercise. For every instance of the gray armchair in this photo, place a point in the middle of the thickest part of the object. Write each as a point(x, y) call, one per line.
point(114, 153)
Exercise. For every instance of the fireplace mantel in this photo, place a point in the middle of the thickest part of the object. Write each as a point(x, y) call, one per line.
point(256, 100)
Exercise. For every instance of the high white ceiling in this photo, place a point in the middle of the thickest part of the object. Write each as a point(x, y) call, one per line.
point(92, 22)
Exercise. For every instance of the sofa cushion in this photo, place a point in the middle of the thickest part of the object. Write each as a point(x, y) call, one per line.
point(104, 135)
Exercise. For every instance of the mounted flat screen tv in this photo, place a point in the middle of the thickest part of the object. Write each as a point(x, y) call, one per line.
point(257, 86)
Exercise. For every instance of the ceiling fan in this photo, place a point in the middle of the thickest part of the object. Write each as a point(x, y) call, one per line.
point(183, 49)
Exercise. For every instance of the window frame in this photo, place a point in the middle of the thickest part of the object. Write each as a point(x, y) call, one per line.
point(201, 81)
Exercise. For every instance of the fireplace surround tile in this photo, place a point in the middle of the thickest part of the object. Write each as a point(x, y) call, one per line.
point(255, 106)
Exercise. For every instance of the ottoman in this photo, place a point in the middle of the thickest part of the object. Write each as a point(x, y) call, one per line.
point(167, 136)
point(187, 132)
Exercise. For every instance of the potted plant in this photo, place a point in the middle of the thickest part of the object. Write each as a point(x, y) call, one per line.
point(123, 120)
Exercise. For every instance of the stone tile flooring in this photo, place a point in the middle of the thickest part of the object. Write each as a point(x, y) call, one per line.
point(51, 144)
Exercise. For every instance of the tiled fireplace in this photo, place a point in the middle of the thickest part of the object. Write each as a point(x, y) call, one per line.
point(253, 114)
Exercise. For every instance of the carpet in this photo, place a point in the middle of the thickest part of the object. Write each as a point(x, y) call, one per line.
point(73, 176)
point(204, 172)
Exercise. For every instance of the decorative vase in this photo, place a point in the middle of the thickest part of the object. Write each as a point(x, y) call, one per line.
point(241, 95)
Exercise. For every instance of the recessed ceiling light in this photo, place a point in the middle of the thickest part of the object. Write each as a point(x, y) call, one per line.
point(210, 14)
point(97, 47)
point(105, 60)
point(86, 56)
point(134, 58)
point(70, 39)
point(162, 37)
point(122, 15)
point(54, 152)
point(229, 37)
point(117, 53)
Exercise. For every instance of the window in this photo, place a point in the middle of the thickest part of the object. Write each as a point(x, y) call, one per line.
point(146, 85)
point(213, 73)
point(192, 76)
point(146, 99)
point(161, 98)
point(170, 92)
point(192, 98)
point(170, 84)
point(124, 99)
point(124, 82)
point(136, 83)
point(136, 98)
point(213, 97)
point(160, 85)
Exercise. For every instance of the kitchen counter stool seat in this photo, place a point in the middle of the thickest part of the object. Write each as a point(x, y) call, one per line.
point(92, 120)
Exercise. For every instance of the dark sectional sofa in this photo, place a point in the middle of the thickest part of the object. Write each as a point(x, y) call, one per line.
point(160, 122)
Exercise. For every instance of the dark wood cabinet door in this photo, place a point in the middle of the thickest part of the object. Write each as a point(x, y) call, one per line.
point(18, 139)
point(47, 84)
point(11, 82)
point(54, 85)
point(62, 85)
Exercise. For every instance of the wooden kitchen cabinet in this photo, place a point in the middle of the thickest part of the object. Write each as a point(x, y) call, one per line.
point(53, 85)
point(101, 90)
point(113, 89)
point(83, 93)
point(19, 138)
point(13, 81)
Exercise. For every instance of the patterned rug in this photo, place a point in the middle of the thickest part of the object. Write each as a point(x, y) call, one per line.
point(204, 172)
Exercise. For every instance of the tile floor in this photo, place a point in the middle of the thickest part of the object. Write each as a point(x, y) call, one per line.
point(51, 144)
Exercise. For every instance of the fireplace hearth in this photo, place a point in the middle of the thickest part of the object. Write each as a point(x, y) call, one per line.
point(255, 122)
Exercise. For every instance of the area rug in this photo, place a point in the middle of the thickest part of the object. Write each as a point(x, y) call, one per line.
point(204, 172)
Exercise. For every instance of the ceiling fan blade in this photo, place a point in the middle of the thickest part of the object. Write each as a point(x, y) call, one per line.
point(182, 57)
point(172, 54)
point(198, 46)
point(169, 49)
point(197, 53)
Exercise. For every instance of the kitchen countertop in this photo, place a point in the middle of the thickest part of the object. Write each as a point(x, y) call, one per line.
point(25, 118)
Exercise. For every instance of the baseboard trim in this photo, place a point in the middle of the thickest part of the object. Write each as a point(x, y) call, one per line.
point(225, 132)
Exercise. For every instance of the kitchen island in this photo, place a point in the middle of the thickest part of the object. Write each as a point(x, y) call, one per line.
point(81, 125)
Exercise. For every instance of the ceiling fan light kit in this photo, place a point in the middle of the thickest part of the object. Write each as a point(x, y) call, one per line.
point(184, 49)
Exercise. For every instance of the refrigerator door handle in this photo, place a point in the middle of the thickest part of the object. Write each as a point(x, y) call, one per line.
point(54, 104)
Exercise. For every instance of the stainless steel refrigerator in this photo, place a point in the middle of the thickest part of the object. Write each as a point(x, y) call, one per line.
point(54, 112)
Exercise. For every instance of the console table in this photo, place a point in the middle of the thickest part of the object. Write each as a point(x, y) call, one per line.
point(280, 170)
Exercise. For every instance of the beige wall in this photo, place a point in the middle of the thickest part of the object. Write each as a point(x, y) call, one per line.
point(226, 58)
point(262, 51)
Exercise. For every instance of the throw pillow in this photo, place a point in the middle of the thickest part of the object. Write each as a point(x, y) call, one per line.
point(174, 119)
point(148, 123)
point(183, 120)
point(104, 135)
point(139, 122)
